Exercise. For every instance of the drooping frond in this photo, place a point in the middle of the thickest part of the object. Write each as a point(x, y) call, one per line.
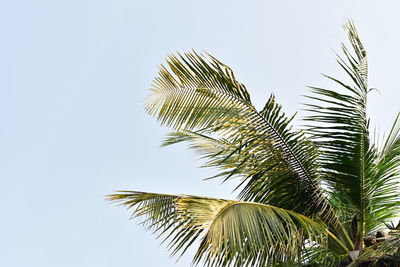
point(201, 96)
point(231, 233)
point(340, 129)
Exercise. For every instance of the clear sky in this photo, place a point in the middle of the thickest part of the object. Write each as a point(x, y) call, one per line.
point(73, 78)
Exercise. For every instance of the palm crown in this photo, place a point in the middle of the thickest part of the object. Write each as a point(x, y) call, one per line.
point(312, 196)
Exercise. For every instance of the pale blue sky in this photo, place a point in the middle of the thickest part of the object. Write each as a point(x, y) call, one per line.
point(73, 77)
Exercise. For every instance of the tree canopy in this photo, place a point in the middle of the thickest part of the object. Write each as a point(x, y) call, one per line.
point(326, 194)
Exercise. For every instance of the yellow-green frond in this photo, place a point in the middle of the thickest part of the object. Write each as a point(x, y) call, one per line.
point(229, 232)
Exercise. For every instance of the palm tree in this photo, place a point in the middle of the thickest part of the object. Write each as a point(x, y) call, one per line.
point(323, 195)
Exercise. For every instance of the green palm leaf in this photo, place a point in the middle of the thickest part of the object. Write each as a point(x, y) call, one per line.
point(203, 97)
point(230, 232)
point(385, 193)
point(306, 197)
point(340, 128)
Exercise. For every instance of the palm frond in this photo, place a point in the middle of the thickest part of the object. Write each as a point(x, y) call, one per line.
point(385, 196)
point(341, 128)
point(230, 232)
point(304, 158)
point(203, 97)
point(304, 199)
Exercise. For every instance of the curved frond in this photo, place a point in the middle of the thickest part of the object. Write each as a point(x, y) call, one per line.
point(230, 232)
point(204, 98)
